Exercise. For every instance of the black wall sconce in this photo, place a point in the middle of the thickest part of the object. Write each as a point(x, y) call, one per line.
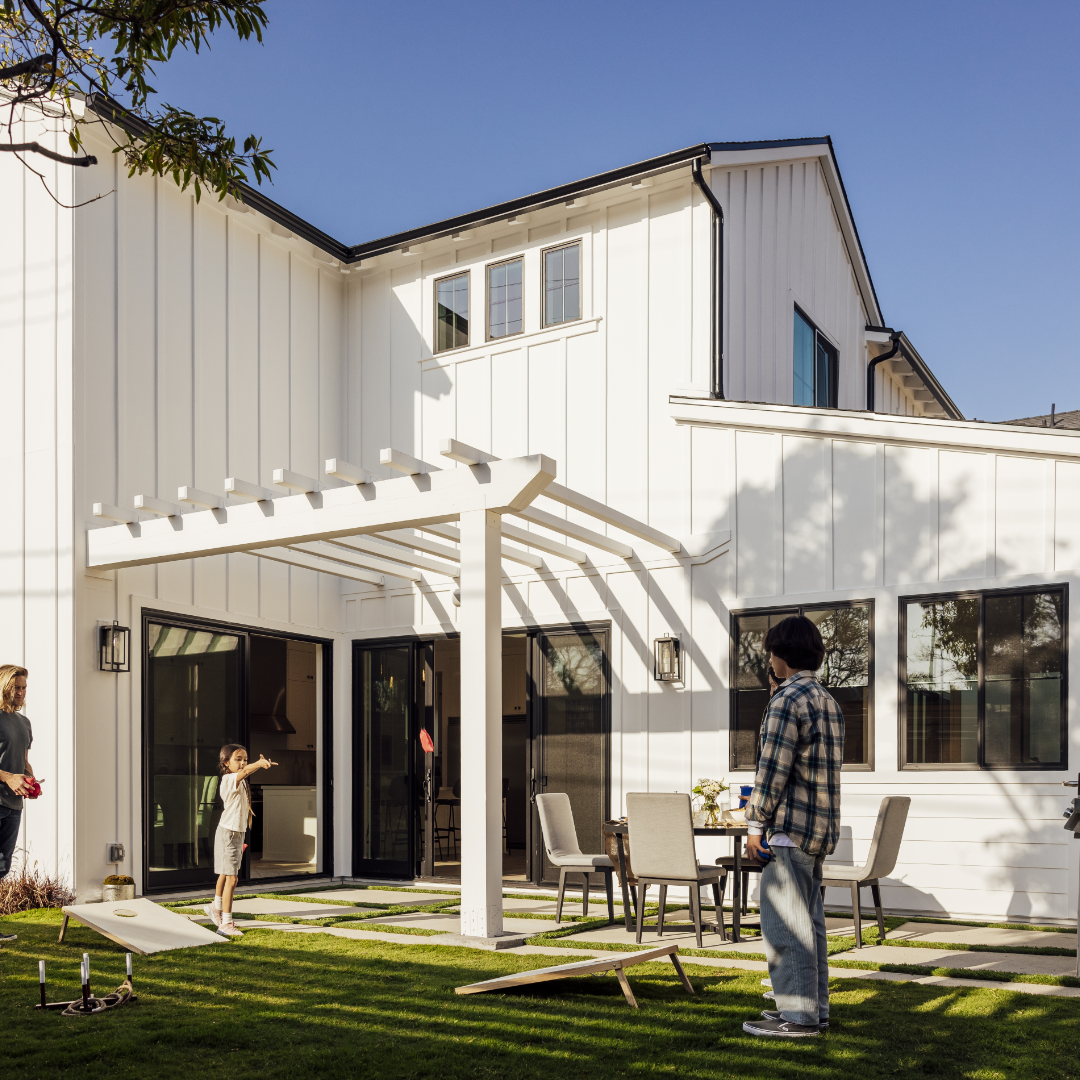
point(114, 653)
point(667, 660)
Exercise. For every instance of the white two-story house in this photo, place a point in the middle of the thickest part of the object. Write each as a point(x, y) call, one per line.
point(722, 428)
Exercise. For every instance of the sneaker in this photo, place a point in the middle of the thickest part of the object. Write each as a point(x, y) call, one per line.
point(823, 1025)
point(781, 1029)
point(214, 913)
point(769, 995)
point(230, 929)
point(7, 938)
point(767, 982)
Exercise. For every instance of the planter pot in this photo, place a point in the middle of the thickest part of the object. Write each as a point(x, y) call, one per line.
point(117, 892)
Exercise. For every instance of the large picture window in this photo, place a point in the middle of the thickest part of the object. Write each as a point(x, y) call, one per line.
point(847, 672)
point(816, 366)
point(984, 680)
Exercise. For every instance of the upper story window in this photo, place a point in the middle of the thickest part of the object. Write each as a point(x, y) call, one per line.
point(452, 312)
point(984, 675)
point(847, 673)
point(816, 366)
point(562, 284)
point(504, 298)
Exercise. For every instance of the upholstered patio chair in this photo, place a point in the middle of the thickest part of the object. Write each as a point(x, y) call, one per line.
point(563, 851)
point(662, 831)
point(881, 861)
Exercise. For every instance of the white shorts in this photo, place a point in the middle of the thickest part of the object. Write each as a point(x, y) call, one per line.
point(228, 851)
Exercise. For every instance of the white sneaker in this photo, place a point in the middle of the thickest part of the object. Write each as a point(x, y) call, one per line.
point(214, 913)
point(767, 982)
point(230, 929)
point(769, 995)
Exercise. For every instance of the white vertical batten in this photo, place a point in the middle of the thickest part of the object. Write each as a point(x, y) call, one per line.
point(481, 724)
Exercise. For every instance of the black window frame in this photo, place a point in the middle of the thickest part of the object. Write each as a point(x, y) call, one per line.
point(544, 253)
point(797, 609)
point(436, 349)
point(821, 340)
point(981, 765)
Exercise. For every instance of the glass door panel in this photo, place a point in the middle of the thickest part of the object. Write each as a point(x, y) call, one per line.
point(384, 702)
point(570, 751)
point(195, 706)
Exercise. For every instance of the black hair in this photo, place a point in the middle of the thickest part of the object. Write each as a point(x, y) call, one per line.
point(225, 753)
point(797, 641)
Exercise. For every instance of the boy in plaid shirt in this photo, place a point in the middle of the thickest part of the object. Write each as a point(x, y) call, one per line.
point(796, 803)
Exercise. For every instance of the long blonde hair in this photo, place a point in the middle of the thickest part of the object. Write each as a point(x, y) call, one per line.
point(9, 672)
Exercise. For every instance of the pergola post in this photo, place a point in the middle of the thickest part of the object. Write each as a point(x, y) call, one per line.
point(481, 724)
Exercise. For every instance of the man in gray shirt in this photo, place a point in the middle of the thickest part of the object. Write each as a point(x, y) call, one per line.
point(16, 736)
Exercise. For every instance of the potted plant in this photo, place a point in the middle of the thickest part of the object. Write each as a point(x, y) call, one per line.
point(118, 887)
point(709, 791)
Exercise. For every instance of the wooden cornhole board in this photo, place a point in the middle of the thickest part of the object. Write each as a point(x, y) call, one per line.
point(150, 929)
point(592, 966)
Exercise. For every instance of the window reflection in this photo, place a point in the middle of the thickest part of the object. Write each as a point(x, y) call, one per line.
point(562, 284)
point(504, 299)
point(452, 312)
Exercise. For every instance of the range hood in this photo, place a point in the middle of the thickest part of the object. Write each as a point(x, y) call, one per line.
point(273, 721)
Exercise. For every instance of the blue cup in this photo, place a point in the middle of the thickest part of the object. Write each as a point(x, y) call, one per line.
point(745, 791)
point(766, 854)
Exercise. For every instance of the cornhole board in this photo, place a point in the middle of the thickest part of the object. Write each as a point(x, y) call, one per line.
point(140, 925)
point(593, 966)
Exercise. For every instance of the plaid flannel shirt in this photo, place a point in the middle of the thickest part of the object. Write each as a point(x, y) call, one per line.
point(797, 786)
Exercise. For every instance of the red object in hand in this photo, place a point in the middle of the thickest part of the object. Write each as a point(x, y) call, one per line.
point(33, 788)
point(425, 741)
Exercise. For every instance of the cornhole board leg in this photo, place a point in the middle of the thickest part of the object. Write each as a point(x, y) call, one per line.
point(592, 966)
point(63, 931)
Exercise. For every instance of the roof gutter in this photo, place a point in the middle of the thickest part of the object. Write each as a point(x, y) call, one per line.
point(872, 366)
point(716, 374)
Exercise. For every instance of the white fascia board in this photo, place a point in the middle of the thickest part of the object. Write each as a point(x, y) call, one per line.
point(943, 433)
point(409, 502)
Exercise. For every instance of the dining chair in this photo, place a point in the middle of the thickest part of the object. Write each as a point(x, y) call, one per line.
point(661, 828)
point(881, 861)
point(563, 851)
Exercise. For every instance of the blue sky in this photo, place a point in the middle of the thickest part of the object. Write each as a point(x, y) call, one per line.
point(955, 125)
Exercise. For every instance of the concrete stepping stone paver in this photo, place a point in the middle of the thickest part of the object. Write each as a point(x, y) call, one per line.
point(982, 935)
point(381, 897)
point(259, 906)
point(1020, 963)
point(450, 923)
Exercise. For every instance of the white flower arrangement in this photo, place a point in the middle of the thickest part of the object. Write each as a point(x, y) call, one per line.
point(710, 791)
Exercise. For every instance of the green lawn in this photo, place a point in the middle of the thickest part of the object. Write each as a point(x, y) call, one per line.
point(311, 1005)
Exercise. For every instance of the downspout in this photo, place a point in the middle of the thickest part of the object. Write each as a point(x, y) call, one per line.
point(870, 368)
point(716, 379)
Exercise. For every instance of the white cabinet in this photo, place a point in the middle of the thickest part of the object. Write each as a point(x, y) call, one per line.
point(290, 823)
point(301, 699)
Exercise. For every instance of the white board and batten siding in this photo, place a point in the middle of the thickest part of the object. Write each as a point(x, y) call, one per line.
point(866, 510)
point(37, 614)
point(205, 347)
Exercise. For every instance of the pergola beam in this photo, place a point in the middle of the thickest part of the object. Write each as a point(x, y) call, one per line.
point(328, 550)
point(395, 552)
point(576, 501)
point(578, 532)
point(335, 513)
point(507, 551)
point(544, 543)
point(401, 462)
point(308, 562)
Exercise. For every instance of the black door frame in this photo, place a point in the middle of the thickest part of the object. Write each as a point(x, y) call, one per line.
point(534, 838)
point(421, 713)
point(243, 631)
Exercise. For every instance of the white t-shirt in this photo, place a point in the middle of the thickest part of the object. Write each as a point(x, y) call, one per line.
point(234, 794)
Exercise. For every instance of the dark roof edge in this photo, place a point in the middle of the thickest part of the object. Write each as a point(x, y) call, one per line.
point(771, 144)
point(858, 240)
point(110, 109)
point(929, 379)
point(538, 200)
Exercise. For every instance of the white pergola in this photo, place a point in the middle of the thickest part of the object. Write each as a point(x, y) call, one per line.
point(371, 531)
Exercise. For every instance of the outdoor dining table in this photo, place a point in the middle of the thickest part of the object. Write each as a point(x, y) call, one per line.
point(619, 829)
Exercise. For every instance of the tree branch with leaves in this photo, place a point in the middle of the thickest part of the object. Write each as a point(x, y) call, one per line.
point(71, 60)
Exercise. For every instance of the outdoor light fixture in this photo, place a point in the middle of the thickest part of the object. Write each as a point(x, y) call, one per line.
point(115, 651)
point(667, 661)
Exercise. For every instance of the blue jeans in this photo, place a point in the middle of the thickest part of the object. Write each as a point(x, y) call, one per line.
point(9, 835)
point(793, 926)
